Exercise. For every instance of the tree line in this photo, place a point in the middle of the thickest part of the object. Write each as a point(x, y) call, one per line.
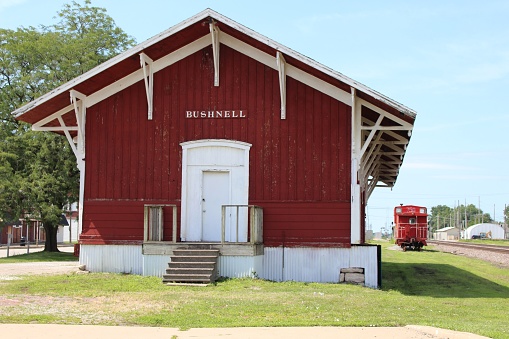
point(38, 172)
point(461, 216)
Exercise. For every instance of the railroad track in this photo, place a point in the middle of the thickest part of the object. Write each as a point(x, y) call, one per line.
point(490, 248)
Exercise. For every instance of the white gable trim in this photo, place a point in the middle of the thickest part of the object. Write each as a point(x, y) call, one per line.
point(291, 71)
point(195, 46)
point(201, 16)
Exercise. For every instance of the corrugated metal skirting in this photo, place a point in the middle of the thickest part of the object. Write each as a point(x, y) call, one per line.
point(155, 265)
point(277, 263)
point(240, 266)
point(319, 264)
point(112, 258)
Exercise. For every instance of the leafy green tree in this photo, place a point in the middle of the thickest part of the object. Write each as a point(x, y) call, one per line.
point(445, 216)
point(440, 217)
point(38, 173)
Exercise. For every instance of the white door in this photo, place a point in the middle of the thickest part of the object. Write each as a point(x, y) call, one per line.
point(215, 193)
point(217, 171)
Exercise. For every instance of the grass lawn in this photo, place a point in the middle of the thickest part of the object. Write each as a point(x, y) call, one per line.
point(39, 256)
point(487, 241)
point(421, 288)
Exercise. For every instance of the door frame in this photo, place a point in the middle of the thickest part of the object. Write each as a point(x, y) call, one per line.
point(226, 191)
point(210, 155)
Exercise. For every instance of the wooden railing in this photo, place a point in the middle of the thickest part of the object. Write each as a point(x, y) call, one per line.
point(254, 225)
point(417, 230)
point(153, 221)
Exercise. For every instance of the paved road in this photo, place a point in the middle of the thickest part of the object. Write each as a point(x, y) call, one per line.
point(31, 331)
point(16, 250)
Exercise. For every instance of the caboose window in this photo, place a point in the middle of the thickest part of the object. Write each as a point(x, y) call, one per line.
point(398, 210)
point(411, 220)
point(422, 210)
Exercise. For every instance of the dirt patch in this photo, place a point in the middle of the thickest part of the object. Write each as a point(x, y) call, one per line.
point(10, 271)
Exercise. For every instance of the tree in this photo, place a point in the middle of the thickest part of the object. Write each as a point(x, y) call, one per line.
point(38, 170)
point(444, 216)
point(440, 217)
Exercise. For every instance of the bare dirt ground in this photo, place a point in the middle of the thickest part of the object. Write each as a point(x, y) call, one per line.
point(18, 269)
point(18, 331)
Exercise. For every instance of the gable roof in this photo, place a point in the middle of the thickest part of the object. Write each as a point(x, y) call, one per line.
point(445, 229)
point(386, 125)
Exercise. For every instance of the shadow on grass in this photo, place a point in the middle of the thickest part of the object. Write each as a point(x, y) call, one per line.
point(439, 281)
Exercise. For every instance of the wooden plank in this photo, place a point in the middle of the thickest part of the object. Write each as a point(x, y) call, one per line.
point(318, 157)
point(301, 144)
point(266, 136)
point(158, 127)
point(292, 110)
point(325, 147)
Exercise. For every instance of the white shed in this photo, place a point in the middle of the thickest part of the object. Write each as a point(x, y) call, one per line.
point(497, 232)
point(447, 233)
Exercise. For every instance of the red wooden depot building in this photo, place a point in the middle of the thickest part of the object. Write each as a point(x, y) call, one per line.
point(210, 133)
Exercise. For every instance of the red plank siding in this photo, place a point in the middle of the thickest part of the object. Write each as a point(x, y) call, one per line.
point(119, 222)
point(306, 224)
point(304, 159)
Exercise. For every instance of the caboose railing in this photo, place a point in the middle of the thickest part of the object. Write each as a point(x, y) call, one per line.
point(412, 230)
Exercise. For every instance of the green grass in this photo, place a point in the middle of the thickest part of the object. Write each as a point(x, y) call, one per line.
point(39, 256)
point(421, 288)
point(487, 241)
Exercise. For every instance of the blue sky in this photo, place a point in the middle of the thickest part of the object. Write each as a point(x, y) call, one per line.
point(446, 59)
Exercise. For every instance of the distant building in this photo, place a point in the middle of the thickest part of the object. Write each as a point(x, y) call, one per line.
point(492, 231)
point(447, 233)
point(369, 235)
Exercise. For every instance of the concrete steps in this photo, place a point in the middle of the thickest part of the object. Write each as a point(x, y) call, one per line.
point(192, 266)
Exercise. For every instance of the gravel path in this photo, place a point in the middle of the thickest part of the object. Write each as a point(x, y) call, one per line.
point(499, 259)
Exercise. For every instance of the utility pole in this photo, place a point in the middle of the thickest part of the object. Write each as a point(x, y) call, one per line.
point(481, 218)
point(466, 223)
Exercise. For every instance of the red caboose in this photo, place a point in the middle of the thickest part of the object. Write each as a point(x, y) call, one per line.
point(410, 227)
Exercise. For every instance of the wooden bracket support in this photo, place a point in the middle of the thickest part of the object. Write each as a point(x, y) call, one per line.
point(148, 76)
point(281, 66)
point(214, 32)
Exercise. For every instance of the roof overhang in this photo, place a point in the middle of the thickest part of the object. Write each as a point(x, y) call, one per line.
point(385, 124)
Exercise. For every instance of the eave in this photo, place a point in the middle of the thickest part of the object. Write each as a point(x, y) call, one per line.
point(382, 143)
